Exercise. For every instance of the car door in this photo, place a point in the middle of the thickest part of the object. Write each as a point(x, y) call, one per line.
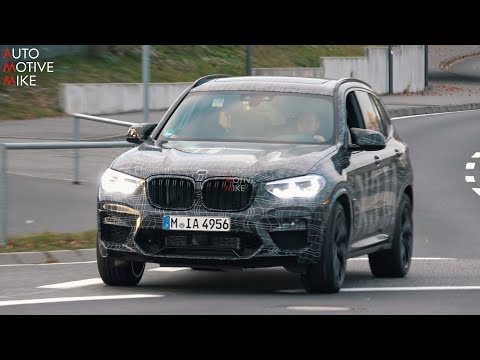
point(380, 179)
point(392, 154)
point(367, 169)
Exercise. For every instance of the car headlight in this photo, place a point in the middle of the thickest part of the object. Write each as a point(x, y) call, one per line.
point(115, 181)
point(299, 187)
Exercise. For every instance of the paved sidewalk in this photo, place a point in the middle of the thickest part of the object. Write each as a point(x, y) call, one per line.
point(48, 257)
point(453, 83)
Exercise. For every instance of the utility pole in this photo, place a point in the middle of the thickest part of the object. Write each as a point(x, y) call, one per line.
point(390, 69)
point(249, 60)
point(146, 81)
point(426, 64)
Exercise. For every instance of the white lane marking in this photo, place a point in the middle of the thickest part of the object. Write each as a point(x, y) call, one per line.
point(76, 298)
point(432, 258)
point(72, 284)
point(169, 269)
point(470, 179)
point(439, 113)
point(476, 155)
point(394, 288)
point(412, 288)
point(477, 190)
point(470, 166)
point(50, 264)
point(413, 258)
point(319, 308)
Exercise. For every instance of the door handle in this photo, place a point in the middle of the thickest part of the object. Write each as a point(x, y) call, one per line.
point(398, 153)
point(377, 160)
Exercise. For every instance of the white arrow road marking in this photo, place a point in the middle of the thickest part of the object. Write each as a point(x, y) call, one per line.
point(168, 269)
point(76, 298)
point(319, 308)
point(72, 284)
point(476, 155)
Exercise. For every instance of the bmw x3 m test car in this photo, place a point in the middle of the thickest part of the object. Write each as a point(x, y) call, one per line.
point(247, 172)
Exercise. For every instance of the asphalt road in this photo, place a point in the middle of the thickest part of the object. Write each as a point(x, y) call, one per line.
point(468, 68)
point(433, 287)
point(446, 233)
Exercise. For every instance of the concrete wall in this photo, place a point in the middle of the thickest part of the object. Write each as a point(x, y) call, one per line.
point(408, 68)
point(112, 98)
point(317, 72)
point(109, 98)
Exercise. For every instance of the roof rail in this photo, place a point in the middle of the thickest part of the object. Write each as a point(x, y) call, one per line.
point(344, 80)
point(207, 78)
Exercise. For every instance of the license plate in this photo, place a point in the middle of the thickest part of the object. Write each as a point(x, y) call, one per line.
point(196, 223)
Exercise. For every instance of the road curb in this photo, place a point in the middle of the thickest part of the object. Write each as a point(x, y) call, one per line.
point(431, 109)
point(48, 257)
point(446, 64)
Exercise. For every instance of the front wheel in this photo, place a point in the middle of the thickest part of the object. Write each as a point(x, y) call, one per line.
point(395, 262)
point(328, 275)
point(119, 272)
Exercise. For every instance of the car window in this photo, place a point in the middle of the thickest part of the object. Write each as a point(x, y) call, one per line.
point(370, 114)
point(383, 114)
point(249, 115)
point(354, 116)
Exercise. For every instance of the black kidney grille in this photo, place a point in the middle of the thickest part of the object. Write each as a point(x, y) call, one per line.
point(227, 194)
point(171, 193)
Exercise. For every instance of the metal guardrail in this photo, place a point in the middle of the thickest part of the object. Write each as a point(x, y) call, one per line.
point(76, 145)
point(76, 137)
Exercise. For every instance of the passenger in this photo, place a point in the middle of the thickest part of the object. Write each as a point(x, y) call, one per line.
point(308, 124)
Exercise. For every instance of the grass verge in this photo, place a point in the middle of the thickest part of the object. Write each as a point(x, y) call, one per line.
point(169, 63)
point(51, 241)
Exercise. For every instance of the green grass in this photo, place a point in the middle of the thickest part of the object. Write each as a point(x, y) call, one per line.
point(169, 63)
point(51, 241)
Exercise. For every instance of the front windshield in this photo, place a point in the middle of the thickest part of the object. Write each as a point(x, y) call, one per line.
point(252, 116)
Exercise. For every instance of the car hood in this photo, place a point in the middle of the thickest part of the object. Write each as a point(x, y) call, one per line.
point(200, 160)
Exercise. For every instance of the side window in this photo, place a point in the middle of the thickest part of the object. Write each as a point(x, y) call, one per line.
point(354, 116)
point(383, 114)
point(370, 114)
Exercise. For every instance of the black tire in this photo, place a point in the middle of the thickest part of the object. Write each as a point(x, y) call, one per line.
point(395, 262)
point(328, 275)
point(118, 272)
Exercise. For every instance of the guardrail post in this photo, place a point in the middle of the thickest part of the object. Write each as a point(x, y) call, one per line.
point(76, 152)
point(3, 195)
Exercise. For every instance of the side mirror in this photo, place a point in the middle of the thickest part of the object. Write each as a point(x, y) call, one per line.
point(140, 132)
point(365, 139)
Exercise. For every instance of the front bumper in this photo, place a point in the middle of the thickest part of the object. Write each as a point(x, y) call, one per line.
point(270, 232)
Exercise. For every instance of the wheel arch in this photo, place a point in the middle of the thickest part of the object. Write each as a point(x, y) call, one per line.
point(341, 196)
point(409, 191)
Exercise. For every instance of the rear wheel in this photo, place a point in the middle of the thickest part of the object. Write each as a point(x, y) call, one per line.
point(328, 275)
point(395, 262)
point(118, 272)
